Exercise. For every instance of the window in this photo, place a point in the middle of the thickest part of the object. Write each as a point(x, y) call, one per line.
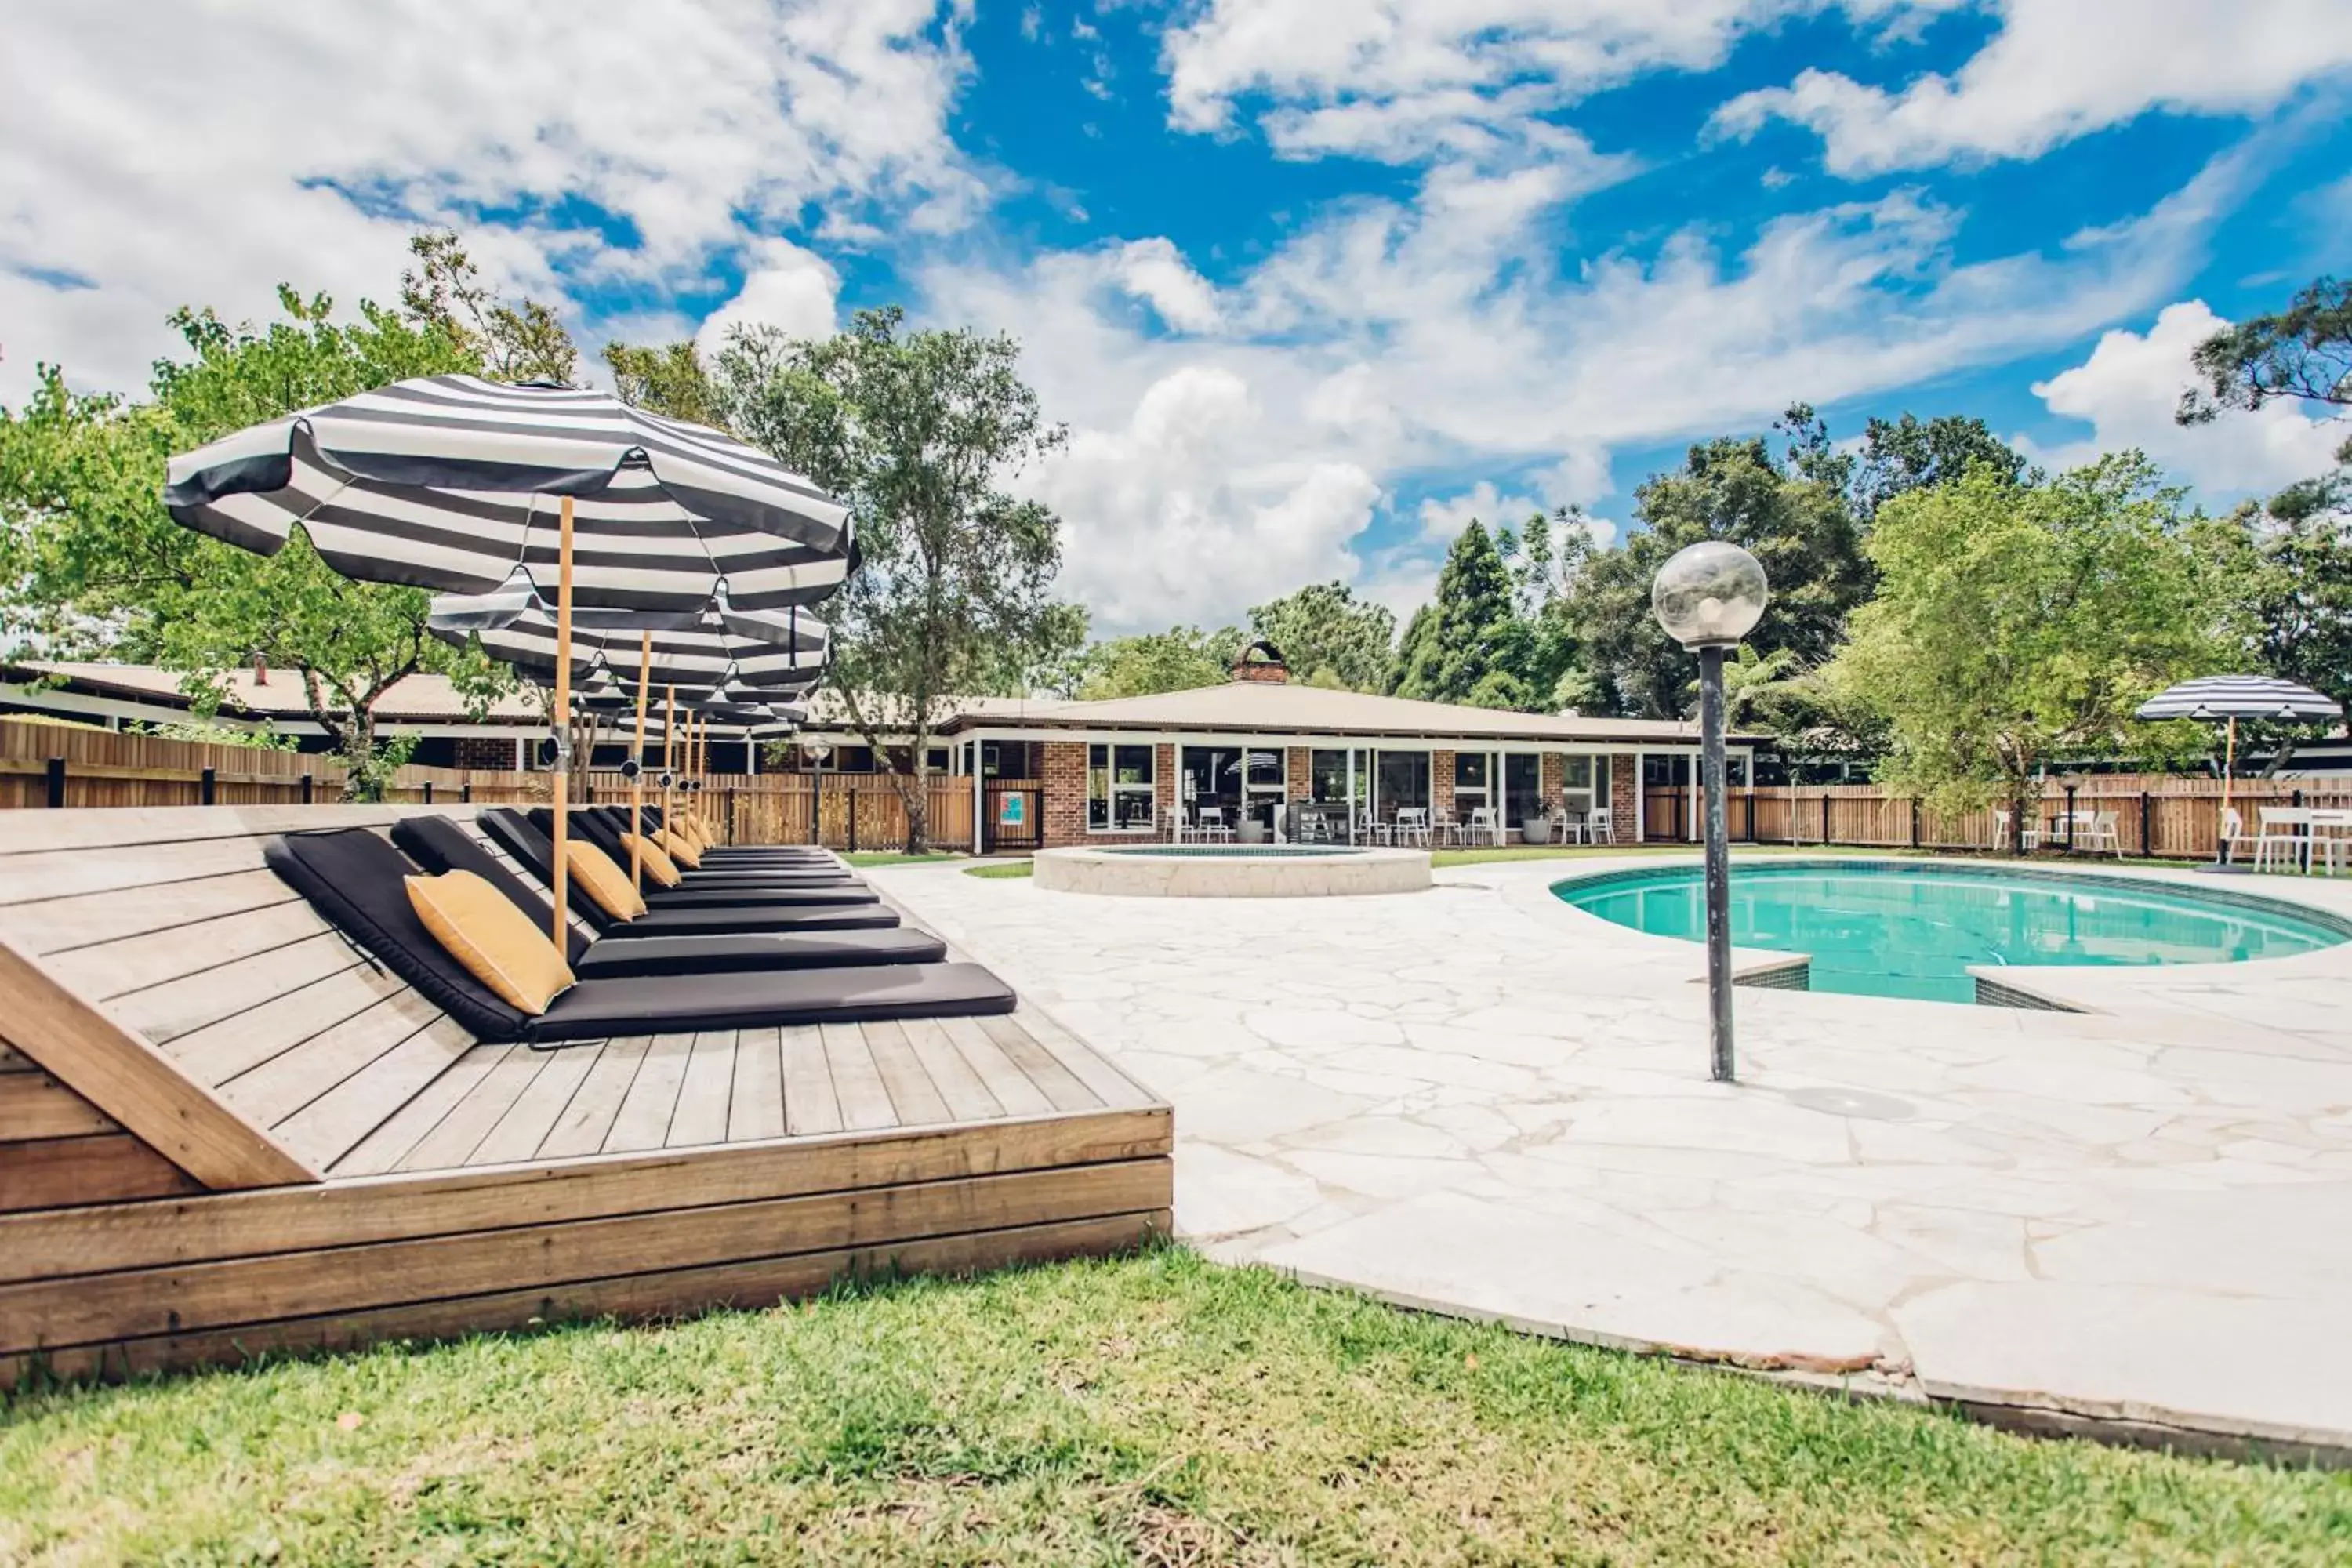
point(1470, 772)
point(1118, 789)
point(1522, 788)
point(937, 758)
point(1332, 775)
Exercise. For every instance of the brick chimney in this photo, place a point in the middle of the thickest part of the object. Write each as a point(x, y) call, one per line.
point(1261, 661)
point(261, 670)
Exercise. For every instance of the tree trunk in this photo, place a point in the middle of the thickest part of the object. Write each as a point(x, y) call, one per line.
point(362, 783)
point(2017, 819)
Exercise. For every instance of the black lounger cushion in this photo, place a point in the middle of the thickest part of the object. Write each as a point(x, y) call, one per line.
point(757, 949)
point(678, 1003)
point(527, 846)
point(600, 831)
point(355, 881)
point(440, 845)
point(760, 897)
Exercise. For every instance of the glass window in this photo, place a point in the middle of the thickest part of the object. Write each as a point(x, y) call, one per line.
point(1403, 780)
point(1522, 787)
point(1118, 789)
point(1470, 771)
point(1332, 775)
point(1576, 773)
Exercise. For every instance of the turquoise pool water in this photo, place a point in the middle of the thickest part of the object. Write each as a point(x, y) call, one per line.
point(1885, 929)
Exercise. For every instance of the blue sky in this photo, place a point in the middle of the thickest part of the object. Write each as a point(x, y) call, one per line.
point(1310, 282)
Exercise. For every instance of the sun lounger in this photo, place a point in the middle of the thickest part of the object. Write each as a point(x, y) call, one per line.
point(719, 895)
point(605, 832)
point(355, 880)
point(438, 844)
point(532, 851)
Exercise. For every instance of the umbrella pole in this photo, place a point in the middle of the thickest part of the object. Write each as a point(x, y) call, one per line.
point(638, 779)
point(669, 755)
point(564, 715)
point(2229, 766)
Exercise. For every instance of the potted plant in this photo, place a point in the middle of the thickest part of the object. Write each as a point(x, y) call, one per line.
point(1251, 831)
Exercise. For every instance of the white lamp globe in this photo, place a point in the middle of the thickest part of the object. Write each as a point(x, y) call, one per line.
point(1710, 595)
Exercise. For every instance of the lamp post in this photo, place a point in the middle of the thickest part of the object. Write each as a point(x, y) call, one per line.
point(1708, 597)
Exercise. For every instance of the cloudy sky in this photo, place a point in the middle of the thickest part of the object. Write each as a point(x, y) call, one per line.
point(1310, 281)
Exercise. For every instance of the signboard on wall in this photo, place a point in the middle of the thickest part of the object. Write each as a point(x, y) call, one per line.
point(1012, 811)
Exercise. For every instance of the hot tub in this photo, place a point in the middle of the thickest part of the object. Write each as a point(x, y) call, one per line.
point(1231, 870)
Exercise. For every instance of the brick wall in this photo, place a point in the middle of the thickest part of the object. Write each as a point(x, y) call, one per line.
point(1163, 784)
point(1441, 785)
point(1062, 769)
point(1624, 794)
point(1553, 779)
point(1302, 774)
point(486, 751)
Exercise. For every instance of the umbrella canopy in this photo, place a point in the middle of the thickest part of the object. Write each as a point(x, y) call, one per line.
point(448, 482)
point(2219, 697)
point(790, 650)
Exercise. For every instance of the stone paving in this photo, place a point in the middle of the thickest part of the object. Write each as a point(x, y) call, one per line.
point(1478, 1101)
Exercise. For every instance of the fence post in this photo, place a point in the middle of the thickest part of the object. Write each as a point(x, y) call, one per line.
point(207, 786)
point(2146, 844)
point(731, 813)
point(56, 783)
point(310, 788)
point(1751, 814)
point(1915, 822)
point(2070, 819)
point(466, 792)
point(428, 792)
point(854, 797)
point(1825, 815)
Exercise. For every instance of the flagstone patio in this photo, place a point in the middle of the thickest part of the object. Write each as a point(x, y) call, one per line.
point(1478, 1101)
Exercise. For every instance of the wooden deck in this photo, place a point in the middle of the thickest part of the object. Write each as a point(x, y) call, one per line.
point(224, 1130)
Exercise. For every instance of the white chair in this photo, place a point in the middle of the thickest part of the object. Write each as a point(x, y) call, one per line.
point(1482, 828)
point(1411, 826)
point(2233, 833)
point(2029, 842)
point(2331, 837)
point(1442, 829)
point(1600, 826)
point(1173, 824)
point(1209, 826)
point(2102, 834)
point(2285, 829)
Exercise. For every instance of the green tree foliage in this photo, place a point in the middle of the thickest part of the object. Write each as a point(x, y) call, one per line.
point(670, 378)
point(91, 563)
point(1329, 637)
point(2016, 625)
point(2296, 597)
point(1900, 456)
point(1177, 659)
point(1801, 528)
point(1467, 645)
point(444, 293)
point(920, 432)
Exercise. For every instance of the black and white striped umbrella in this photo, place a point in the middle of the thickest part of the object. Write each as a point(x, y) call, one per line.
point(452, 482)
point(790, 650)
point(2221, 697)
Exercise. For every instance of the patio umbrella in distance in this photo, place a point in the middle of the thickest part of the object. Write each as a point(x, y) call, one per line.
point(447, 482)
point(2218, 698)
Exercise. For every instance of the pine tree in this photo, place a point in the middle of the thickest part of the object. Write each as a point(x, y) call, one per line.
point(1468, 644)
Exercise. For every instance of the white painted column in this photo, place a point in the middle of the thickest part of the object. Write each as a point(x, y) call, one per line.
point(1641, 797)
point(522, 757)
point(976, 801)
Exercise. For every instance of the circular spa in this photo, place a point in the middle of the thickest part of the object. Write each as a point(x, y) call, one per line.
point(1941, 933)
point(1231, 870)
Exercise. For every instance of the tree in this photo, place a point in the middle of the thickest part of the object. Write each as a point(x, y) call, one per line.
point(920, 432)
point(1329, 637)
point(2017, 625)
point(1801, 528)
point(669, 380)
point(1467, 645)
point(1177, 659)
point(2302, 353)
point(445, 294)
point(93, 562)
point(1908, 453)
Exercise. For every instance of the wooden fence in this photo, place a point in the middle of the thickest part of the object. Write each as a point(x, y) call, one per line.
point(44, 766)
point(2157, 816)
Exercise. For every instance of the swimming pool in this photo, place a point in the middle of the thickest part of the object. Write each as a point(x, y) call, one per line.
point(1886, 929)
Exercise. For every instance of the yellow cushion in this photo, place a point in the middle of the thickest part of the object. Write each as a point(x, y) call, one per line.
point(657, 864)
point(499, 946)
point(606, 883)
point(678, 849)
point(697, 832)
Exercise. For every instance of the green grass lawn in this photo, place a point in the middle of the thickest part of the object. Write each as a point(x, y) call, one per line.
point(1153, 1410)
point(893, 857)
point(996, 870)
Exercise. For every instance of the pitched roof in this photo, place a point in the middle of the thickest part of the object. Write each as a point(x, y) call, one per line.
point(1254, 707)
point(427, 699)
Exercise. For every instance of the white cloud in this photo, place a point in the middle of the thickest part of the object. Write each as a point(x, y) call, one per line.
point(1155, 272)
point(784, 286)
point(1443, 518)
point(1401, 78)
point(163, 153)
point(2128, 387)
point(2057, 70)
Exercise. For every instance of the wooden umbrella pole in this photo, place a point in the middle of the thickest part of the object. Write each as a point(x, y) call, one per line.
point(669, 753)
point(563, 718)
point(2229, 766)
point(638, 781)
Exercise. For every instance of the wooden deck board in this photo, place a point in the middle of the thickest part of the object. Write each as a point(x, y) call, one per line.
point(377, 1132)
point(56, 925)
point(857, 1082)
point(275, 1089)
point(586, 1122)
point(230, 1046)
point(456, 1136)
point(537, 1109)
point(810, 1104)
point(705, 1091)
point(1003, 1077)
point(914, 1099)
point(105, 970)
point(644, 1120)
point(756, 1108)
point(967, 1098)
